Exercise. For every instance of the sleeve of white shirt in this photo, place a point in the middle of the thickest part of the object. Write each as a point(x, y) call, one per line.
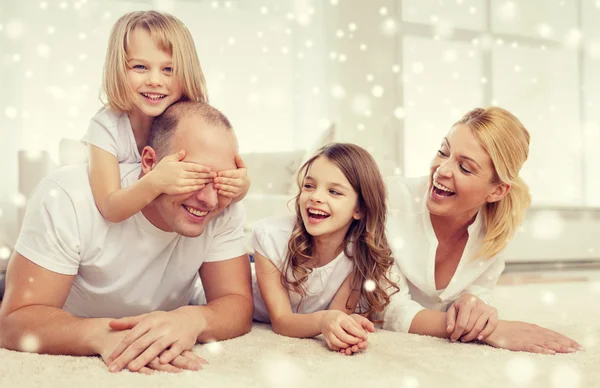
point(228, 240)
point(484, 286)
point(265, 242)
point(50, 236)
point(102, 134)
point(401, 310)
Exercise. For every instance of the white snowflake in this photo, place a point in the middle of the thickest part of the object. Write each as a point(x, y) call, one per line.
point(398, 243)
point(29, 343)
point(521, 369)
point(566, 376)
point(377, 91)
point(19, 200)
point(410, 382)
point(548, 297)
point(4, 253)
point(508, 11)
point(214, 347)
point(324, 123)
point(369, 285)
point(14, 29)
point(399, 113)
point(450, 56)
point(10, 112)
point(546, 225)
point(43, 50)
point(573, 39)
point(545, 30)
point(418, 68)
point(389, 27)
point(338, 92)
point(280, 370)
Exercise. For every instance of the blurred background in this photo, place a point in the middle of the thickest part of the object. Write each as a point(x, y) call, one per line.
point(389, 75)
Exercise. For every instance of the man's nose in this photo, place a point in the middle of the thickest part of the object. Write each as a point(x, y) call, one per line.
point(209, 196)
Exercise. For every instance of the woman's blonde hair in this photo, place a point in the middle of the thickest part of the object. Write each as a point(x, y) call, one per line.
point(171, 35)
point(507, 142)
point(365, 242)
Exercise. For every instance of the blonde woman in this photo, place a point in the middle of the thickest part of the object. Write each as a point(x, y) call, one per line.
point(151, 63)
point(448, 229)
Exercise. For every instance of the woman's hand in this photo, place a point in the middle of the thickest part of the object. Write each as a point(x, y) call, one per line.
point(470, 318)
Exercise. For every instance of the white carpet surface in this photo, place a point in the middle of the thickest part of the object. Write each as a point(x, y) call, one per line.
point(264, 359)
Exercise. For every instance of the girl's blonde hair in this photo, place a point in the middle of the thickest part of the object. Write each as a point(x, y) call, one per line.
point(365, 242)
point(507, 142)
point(171, 35)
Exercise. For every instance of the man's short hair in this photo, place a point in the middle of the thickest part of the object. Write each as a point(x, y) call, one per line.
point(163, 126)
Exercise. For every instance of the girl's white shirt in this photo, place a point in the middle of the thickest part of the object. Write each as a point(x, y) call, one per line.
point(270, 238)
point(111, 131)
point(414, 245)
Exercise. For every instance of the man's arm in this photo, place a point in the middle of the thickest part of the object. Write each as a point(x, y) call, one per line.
point(228, 288)
point(228, 314)
point(31, 315)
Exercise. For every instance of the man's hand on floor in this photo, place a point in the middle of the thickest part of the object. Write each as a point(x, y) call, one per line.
point(185, 361)
point(159, 334)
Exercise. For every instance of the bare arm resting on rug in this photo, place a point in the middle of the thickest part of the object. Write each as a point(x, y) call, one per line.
point(32, 319)
point(511, 335)
point(227, 314)
point(340, 329)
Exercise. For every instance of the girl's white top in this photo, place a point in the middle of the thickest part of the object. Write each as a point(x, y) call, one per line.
point(270, 238)
point(111, 131)
point(414, 244)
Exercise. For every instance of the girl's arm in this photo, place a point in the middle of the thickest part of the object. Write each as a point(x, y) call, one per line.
point(285, 321)
point(114, 203)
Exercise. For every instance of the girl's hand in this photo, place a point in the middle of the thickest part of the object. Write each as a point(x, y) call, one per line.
point(469, 317)
point(172, 176)
point(365, 324)
point(341, 331)
point(233, 183)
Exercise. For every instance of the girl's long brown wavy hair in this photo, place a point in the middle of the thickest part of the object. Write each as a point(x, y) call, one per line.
point(365, 242)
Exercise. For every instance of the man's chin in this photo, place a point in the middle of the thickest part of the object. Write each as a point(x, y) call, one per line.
point(190, 231)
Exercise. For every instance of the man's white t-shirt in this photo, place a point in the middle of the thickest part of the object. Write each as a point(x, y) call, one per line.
point(111, 131)
point(121, 269)
point(270, 238)
point(414, 245)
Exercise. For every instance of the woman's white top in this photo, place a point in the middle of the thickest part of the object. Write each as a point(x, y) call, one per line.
point(270, 238)
point(414, 244)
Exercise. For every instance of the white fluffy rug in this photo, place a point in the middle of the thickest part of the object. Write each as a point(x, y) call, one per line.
point(264, 359)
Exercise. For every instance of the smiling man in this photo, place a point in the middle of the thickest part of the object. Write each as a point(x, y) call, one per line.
point(80, 285)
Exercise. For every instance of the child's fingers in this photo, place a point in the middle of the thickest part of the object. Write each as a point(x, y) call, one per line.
point(226, 194)
point(365, 323)
point(228, 181)
point(232, 189)
point(198, 175)
point(177, 156)
point(344, 336)
point(239, 162)
point(335, 341)
point(184, 189)
point(354, 328)
point(232, 173)
point(195, 167)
